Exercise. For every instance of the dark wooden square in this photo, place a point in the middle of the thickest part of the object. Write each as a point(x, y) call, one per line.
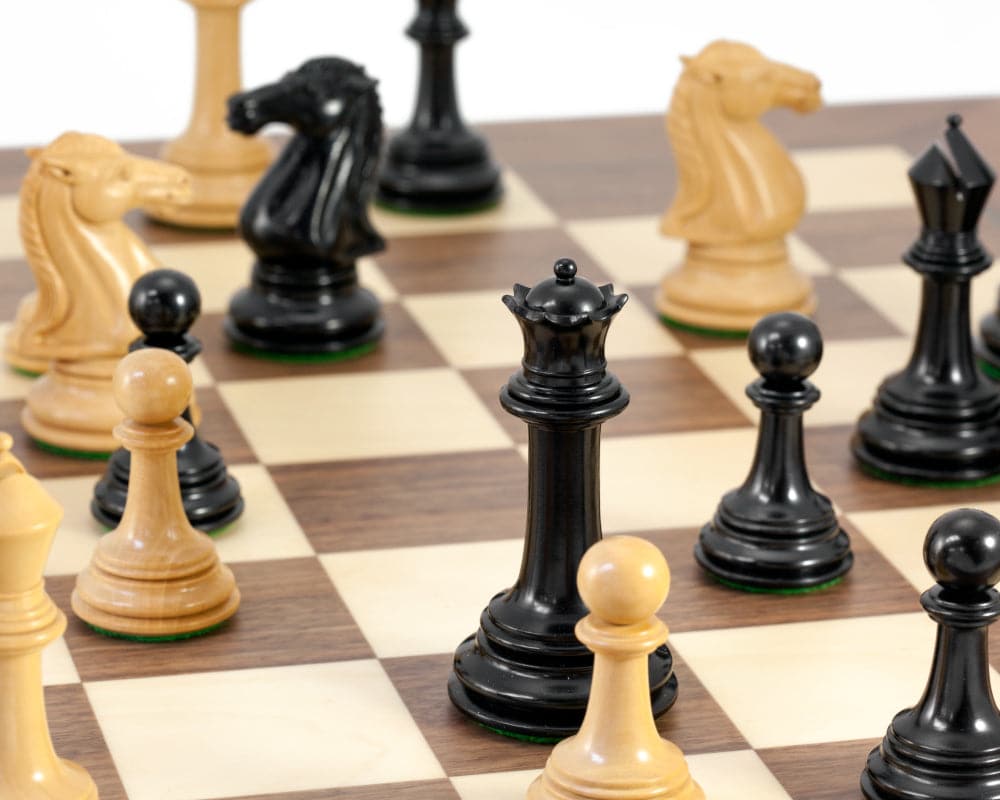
point(290, 614)
point(406, 502)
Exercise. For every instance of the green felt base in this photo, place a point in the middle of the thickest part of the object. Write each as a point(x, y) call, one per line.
point(762, 590)
point(155, 639)
point(523, 737)
point(218, 531)
point(307, 358)
point(886, 476)
point(27, 373)
point(670, 322)
point(90, 455)
point(456, 211)
point(989, 370)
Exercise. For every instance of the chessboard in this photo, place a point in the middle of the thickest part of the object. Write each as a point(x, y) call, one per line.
point(386, 495)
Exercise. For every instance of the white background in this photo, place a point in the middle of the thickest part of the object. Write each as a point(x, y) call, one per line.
point(124, 68)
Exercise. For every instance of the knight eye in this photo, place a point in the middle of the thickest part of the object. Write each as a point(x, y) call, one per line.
point(333, 106)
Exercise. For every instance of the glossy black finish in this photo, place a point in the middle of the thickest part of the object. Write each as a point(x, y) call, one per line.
point(525, 672)
point(948, 746)
point(776, 531)
point(438, 165)
point(164, 304)
point(939, 419)
point(307, 219)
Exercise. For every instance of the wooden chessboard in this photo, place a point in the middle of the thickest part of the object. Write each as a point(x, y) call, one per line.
point(386, 495)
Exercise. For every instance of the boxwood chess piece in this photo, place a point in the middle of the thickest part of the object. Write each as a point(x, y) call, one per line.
point(438, 165)
point(164, 304)
point(938, 420)
point(307, 220)
point(948, 746)
point(154, 577)
point(738, 191)
point(29, 622)
point(524, 672)
point(776, 532)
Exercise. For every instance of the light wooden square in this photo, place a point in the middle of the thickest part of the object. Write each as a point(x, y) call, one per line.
point(848, 376)
point(364, 415)
point(444, 586)
point(633, 251)
point(260, 731)
point(899, 535)
point(670, 480)
point(813, 682)
point(520, 208)
point(855, 178)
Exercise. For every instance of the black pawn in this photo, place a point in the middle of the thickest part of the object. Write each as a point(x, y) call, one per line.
point(938, 420)
point(948, 746)
point(776, 531)
point(438, 165)
point(524, 672)
point(164, 304)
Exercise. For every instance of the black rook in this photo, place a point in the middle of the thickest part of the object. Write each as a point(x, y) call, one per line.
point(524, 672)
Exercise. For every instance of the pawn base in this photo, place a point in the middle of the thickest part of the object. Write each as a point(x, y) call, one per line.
point(427, 172)
point(728, 288)
point(210, 495)
point(151, 627)
point(751, 564)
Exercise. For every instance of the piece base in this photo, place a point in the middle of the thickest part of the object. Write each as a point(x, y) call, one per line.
point(154, 639)
point(773, 590)
point(926, 483)
point(537, 727)
point(69, 452)
point(305, 358)
point(213, 526)
point(25, 372)
point(720, 333)
point(437, 207)
point(989, 369)
point(521, 737)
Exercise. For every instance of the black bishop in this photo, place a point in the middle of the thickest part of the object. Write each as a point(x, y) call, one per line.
point(776, 532)
point(938, 420)
point(947, 747)
point(524, 672)
point(164, 304)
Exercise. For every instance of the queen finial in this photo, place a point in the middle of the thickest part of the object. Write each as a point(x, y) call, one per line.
point(565, 270)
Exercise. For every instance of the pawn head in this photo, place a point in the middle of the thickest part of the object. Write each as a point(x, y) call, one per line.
point(623, 580)
point(962, 550)
point(785, 346)
point(164, 301)
point(152, 386)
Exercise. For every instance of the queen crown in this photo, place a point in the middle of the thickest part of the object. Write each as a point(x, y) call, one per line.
point(564, 321)
point(951, 191)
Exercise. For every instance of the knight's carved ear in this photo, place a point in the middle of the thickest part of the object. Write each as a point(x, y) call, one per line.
point(32, 152)
point(686, 60)
point(58, 169)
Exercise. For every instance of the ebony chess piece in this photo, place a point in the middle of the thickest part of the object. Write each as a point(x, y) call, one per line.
point(948, 746)
point(307, 220)
point(524, 672)
point(938, 420)
point(438, 165)
point(164, 304)
point(776, 531)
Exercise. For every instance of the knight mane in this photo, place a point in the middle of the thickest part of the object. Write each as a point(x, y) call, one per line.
point(693, 173)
